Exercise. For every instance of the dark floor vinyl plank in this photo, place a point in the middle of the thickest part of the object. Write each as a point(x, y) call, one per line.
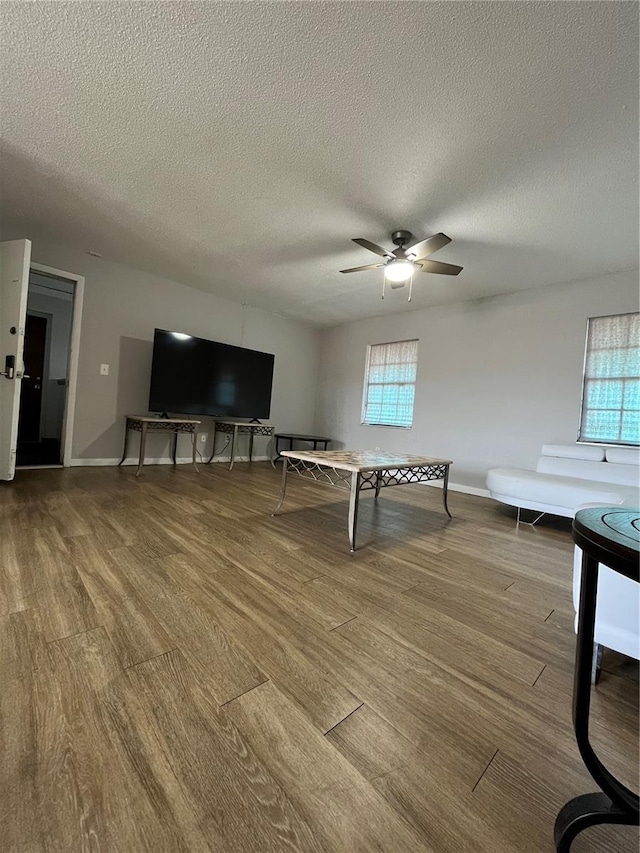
point(222, 663)
point(300, 565)
point(181, 539)
point(342, 807)
point(456, 647)
point(132, 626)
point(475, 599)
point(292, 655)
point(299, 600)
point(150, 542)
point(18, 566)
point(410, 693)
point(23, 704)
point(110, 529)
point(161, 496)
point(469, 647)
point(613, 718)
point(314, 699)
point(443, 815)
point(512, 798)
point(375, 747)
point(62, 597)
point(67, 518)
point(117, 805)
point(525, 632)
point(467, 710)
point(239, 805)
point(468, 571)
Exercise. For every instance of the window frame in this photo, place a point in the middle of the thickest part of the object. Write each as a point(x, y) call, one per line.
point(365, 387)
point(583, 400)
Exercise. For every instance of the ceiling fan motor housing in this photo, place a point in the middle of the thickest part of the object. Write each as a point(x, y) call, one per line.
point(401, 238)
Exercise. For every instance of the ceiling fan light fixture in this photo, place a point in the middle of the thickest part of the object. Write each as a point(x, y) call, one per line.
point(398, 270)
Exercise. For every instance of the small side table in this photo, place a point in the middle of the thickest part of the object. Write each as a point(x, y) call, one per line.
point(611, 536)
point(236, 428)
point(293, 436)
point(144, 425)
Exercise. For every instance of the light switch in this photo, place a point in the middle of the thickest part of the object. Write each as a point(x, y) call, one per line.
point(104, 370)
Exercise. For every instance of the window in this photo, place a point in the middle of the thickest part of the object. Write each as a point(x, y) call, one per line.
point(611, 390)
point(390, 384)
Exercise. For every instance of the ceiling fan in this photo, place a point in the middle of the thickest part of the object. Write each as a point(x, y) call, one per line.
point(401, 263)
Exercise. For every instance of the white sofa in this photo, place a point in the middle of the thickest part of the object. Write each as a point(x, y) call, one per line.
point(568, 476)
point(617, 611)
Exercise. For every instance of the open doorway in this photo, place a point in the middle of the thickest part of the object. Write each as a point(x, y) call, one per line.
point(52, 313)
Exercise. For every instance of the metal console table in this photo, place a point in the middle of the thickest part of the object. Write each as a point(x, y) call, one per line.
point(611, 536)
point(144, 425)
point(361, 470)
point(236, 428)
point(295, 436)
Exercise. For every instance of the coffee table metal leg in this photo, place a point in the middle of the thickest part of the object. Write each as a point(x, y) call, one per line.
point(143, 444)
point(353, 509)
point(175, 447)
point(284, 484)
point(378, 483)
point(445, 485)
point(250, 445)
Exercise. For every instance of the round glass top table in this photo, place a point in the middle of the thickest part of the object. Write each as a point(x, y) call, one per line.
point(609, 536)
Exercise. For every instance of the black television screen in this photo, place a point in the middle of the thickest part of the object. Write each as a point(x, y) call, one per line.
point(194, 376)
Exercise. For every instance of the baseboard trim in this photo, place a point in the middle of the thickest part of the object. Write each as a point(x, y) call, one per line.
point(162, 460)
point(186, 460)
point(460, 487)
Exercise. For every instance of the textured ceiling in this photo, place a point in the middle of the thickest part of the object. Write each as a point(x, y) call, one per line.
point(237, 147)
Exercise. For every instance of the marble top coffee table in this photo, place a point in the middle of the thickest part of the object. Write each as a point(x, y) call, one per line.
point(360, 470)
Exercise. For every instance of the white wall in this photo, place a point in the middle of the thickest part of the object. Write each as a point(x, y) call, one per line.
point(497, 377)
point(122, 306)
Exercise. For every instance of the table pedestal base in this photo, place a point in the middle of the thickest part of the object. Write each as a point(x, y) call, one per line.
point(585, 811)
point(606, 535)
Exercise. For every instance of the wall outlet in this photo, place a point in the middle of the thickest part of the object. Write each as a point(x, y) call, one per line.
point(202, 437)
point(104, 370)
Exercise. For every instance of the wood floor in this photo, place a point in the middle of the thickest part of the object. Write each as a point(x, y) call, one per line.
point(181, 672)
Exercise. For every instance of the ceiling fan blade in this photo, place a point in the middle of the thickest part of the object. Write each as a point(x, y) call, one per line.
point(439, 267)
point(427, 247)
point(372, 247)
point(367, 267)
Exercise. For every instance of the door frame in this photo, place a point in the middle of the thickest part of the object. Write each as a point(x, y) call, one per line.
point(74, 353)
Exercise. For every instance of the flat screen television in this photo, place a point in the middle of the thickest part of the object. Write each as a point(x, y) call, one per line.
point(195, 376)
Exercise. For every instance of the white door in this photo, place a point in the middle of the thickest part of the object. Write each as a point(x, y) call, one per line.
point(15, 258)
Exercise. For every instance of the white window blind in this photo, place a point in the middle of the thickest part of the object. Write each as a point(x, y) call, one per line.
point(390, 384)
point(611, 391)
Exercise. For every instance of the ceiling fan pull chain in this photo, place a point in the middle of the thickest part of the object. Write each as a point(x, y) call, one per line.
point(410, 287)
point(384, 281)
